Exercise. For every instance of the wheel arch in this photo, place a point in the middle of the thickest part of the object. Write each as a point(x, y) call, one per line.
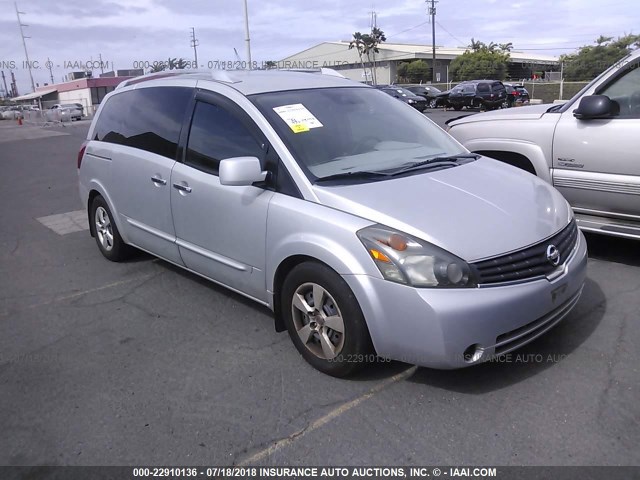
point(95, 189)
point(526, 155)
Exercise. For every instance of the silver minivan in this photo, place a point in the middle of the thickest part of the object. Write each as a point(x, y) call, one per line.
point(369, 231)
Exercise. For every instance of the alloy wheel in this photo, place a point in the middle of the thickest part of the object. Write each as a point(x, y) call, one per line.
point(318, 320)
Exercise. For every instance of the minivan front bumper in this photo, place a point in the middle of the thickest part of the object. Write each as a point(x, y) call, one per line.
point(455, 328)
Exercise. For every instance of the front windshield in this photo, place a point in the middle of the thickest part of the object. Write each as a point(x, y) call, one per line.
point(334, 131)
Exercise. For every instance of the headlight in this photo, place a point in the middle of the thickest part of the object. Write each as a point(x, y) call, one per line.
point(411, 261)
point(411, 101)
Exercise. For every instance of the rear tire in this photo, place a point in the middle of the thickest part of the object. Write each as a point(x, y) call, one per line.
point(332, 337)
point(103, 227)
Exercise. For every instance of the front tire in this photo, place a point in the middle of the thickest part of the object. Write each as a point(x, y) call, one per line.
point(103, 227)
point(324, 320)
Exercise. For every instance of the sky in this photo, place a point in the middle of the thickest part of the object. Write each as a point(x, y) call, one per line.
point(131, 33)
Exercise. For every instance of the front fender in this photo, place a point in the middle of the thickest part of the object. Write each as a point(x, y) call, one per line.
point(530, 150)
point(296, 227)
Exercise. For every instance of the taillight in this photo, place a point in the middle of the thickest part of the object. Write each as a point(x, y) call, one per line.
point(81, 153)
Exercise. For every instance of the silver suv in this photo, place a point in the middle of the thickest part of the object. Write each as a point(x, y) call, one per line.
point(369, 231)
point(587, 147)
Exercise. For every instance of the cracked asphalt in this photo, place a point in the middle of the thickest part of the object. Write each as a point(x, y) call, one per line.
point(142, 363)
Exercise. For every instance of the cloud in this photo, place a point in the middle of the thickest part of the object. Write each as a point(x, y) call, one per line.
point(126, 32)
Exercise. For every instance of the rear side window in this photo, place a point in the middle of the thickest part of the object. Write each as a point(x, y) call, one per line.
point(497, 87)
point(147, 118)
point(483, 88)
point(217, 134)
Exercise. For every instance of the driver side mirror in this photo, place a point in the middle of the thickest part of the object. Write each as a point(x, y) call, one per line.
point(596, 106)
point(241, 171)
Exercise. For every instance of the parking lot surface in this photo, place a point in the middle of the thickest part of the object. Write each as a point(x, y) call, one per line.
point(143, 363)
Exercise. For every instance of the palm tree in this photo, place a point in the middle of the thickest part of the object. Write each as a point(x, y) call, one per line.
point(371, 43)
point(158, 67)
point(358, 43)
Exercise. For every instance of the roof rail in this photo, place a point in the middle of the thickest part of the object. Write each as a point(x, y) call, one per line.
point(218, 75)
point(321, 70)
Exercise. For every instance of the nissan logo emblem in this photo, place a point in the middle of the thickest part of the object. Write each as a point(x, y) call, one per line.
point(553, 255)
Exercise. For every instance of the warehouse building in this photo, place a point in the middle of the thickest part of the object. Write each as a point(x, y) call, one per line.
point(338, 56)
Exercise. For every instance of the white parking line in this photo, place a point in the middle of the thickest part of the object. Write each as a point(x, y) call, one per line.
point(64, 223)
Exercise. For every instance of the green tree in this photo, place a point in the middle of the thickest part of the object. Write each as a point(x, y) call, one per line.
point(418, 71)
point(358, 42)
point(591, 60)
point(481, 61)
point(402, 72)
point(371, 43)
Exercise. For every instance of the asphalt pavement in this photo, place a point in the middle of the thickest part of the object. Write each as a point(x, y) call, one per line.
point(143, 363)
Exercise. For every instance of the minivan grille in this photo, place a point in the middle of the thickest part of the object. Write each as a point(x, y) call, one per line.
point(528, 263)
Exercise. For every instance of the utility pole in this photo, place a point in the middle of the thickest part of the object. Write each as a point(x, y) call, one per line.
point(432, 12)
point(194, 44)
point(24, 44)
point(14, 85)
point(4, 80)
point(101, 65)
point(49, 65)
point(246, 32)
point(374, 24)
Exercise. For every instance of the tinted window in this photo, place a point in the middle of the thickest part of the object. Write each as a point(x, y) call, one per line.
point(483, 88)
point(215, 135)
point(148, 118)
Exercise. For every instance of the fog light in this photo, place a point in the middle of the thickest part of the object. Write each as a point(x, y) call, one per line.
point(473, 353)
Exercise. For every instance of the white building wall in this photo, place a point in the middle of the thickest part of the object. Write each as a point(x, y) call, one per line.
point(82, 96)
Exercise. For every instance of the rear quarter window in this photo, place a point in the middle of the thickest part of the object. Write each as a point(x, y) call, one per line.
point(149, 119)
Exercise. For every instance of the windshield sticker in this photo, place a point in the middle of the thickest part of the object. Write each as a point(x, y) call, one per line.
point(297, 117)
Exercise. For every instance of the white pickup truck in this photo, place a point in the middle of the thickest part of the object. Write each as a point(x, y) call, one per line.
point(588, 147)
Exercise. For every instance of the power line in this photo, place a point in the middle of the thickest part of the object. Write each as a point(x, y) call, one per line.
point(408, 29)
point(450, 34)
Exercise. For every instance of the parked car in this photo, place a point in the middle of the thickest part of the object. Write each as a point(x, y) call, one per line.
point(68, 110)
point(366, 228)
point(517, 95)
point(416, 101)
point(481, 94)
point(441, 100)
point(11, 112)
point(428, 92)
point(586, 147)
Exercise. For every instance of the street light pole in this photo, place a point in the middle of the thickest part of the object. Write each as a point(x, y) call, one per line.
point(246, 31)
point(24, 44)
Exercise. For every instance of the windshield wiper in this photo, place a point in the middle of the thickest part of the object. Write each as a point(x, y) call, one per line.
point(446, 161)
point(358, 175)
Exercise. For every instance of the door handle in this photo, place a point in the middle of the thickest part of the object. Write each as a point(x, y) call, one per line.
point(158, 181)
point(182, 188)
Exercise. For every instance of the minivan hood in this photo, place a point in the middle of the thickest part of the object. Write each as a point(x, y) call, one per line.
point(475, 211)
point(528, 112)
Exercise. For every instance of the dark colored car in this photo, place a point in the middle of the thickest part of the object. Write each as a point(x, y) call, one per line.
point(416, 101)
point(517, 95)
point(429, 93)
point(481, 94)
